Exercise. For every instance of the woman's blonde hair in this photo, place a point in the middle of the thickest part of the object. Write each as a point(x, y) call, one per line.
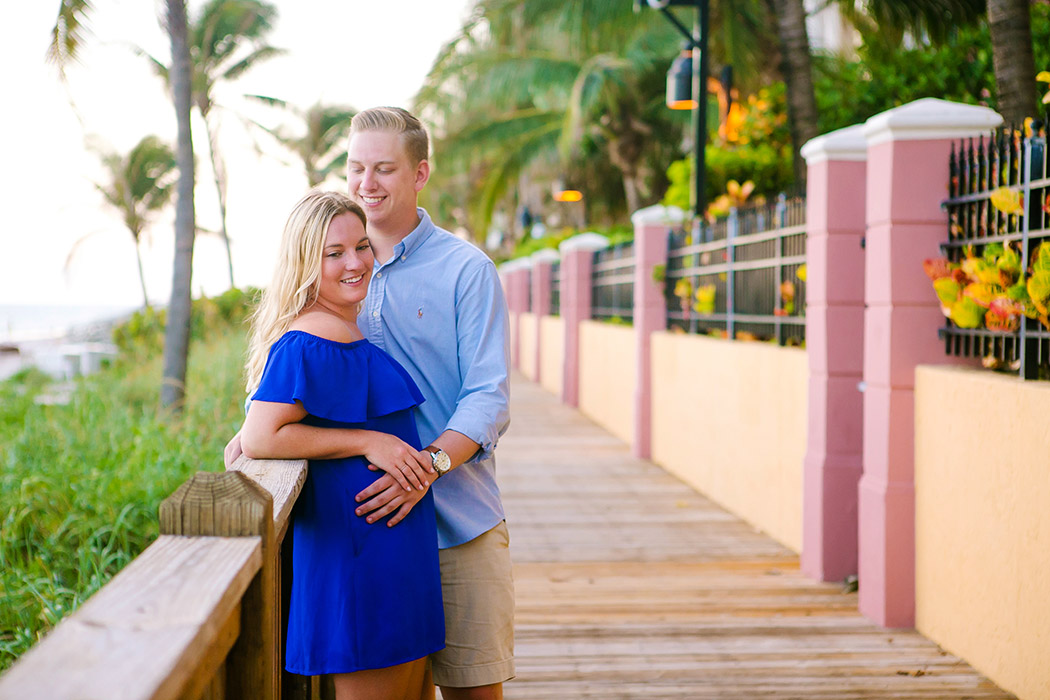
point(297, 277)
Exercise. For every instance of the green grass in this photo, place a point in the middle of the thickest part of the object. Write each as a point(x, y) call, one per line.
point(80, 484)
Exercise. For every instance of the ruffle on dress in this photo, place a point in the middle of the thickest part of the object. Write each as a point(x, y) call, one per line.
point(368, 383)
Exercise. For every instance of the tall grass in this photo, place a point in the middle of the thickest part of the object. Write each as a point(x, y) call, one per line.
point(80, 484)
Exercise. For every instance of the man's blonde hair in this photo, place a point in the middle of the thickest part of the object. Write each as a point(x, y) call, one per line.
point(297, 277)
point(400, 121)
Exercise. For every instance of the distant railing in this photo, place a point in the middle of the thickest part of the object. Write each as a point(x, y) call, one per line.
point(978, 169)
point(556, 288)
point(612, 283)
point(199, 614)
point(745, 280)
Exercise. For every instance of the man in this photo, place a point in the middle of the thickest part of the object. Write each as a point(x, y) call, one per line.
point(436, 305)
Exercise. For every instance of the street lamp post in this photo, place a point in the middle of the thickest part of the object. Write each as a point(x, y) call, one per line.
point(696, 40)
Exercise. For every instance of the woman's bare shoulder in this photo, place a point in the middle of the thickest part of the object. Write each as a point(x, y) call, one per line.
point(325, 325)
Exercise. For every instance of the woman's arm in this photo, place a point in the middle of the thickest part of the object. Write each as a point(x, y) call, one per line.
point(274, 431)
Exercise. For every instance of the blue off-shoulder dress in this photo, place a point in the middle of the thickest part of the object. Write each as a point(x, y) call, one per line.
point(363, 596)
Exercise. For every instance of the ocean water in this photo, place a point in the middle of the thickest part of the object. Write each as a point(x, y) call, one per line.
point(30, 322)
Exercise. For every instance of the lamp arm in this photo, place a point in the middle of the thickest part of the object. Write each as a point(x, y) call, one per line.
point(680, 27)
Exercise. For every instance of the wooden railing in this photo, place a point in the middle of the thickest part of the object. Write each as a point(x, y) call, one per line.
point(198, 615)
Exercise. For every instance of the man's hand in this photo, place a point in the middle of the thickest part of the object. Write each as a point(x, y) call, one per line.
point(233, 450)
point(385, 496)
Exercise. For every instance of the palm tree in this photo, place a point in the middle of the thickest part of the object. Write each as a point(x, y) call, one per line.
point(544, 85)
point(322, 144)
point(1010, 29)
point(138, 185)
point(226, 40)
point(66, 40)
point(797, 71)
point(177, 332)
point(1009, 24)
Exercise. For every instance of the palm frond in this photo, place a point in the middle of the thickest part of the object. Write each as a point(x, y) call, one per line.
point(69, 33)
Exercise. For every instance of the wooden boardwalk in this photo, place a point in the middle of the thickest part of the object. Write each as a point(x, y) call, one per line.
point(631, 585)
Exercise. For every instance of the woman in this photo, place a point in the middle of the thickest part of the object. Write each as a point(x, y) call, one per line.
point(366, 599)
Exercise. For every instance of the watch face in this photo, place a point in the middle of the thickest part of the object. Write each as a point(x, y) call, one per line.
point(441, 461)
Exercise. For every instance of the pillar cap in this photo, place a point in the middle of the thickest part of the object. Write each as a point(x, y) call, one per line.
point(544, 255)
point(846, 144)
point(515, 264)
point(584, 241)
point(930, 119)
point(658, 214)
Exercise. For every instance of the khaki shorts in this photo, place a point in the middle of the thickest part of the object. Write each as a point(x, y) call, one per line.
point(478, 589)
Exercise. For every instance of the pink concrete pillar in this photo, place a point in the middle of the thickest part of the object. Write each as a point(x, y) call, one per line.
point(542, 262)
point(907, 178)
point(515, 276)
point(835, 193)
point(651, 226)
point(577, 255)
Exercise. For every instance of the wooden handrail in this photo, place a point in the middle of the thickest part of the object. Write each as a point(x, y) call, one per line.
point(284, 480)
point(151, 632)
point(198, 614)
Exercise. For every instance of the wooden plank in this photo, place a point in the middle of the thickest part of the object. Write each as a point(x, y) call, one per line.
point(284, 480)
point(153, 632)
point(629, 584)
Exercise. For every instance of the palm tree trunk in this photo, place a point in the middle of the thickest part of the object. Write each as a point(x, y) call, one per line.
point(1009, 23)
point(177, 333)
point(630, 191)
point(796, 68)
point(142, 276)
point(218, 167)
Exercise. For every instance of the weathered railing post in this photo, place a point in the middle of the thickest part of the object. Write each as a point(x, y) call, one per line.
point(907, 176)
point(576, 266)
point(837, 165)
point(650, 309)
point(229, 504)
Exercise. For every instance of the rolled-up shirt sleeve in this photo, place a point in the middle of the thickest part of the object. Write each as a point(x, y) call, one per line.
point(483, 405)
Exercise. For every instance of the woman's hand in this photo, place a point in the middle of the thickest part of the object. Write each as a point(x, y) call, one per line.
point(408, 466)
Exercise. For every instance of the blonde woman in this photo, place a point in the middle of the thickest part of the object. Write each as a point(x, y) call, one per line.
point(366, 601)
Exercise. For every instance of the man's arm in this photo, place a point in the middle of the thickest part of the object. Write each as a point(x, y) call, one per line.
point(377, 502)
point(483, 405)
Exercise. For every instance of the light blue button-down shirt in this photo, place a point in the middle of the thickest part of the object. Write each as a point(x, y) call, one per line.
point(437, 307)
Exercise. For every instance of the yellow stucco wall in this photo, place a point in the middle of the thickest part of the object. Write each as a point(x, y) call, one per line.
point(527, 334)
point(729, 418)
point(982, 522)
point(607, 376)
point(552, 353)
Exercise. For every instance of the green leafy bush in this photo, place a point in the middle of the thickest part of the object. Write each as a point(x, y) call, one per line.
point(142, 335)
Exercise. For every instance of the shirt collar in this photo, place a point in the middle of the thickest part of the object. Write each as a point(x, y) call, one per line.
point(419, 234)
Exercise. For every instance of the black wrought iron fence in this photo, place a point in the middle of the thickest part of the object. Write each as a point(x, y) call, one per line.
point(994, 290)
point(747, 279)
point(556, 288)
point(530, 303)
point(612, 284)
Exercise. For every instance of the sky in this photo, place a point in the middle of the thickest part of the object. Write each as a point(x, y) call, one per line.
point(59, 244)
